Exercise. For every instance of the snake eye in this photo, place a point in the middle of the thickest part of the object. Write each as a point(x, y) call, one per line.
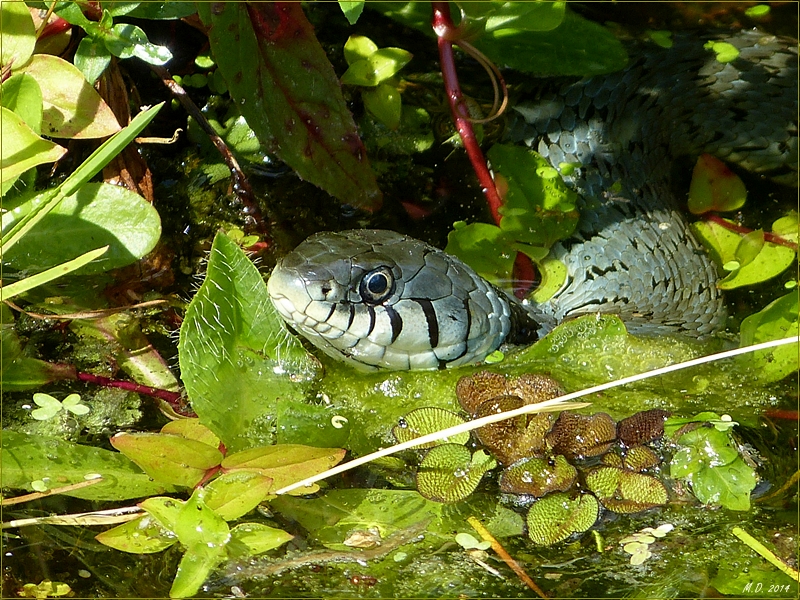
point(377, 285)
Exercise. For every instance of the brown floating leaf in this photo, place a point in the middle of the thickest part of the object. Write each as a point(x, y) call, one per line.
point(538, 476)
point(578, 436)
point(501, 438)
point(483, 386)
point(534, 388)
point(642, 427)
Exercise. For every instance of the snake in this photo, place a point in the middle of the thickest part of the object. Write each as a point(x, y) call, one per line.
point(381, 300)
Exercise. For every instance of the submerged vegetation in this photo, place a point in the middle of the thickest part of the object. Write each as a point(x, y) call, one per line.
point(308, 124)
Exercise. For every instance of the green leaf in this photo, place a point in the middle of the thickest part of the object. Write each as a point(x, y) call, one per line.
point(21, 372)
point(250, 539)
point(287, 90)
point(194, 568)
point(538, 476)
point(21, 149)
point(429, 419)
point(17, 35)
point(49, 407)
point(626, 492)
point(140, 536)
point(776, 321)
point(377, 67)
point(479, 245)
point(285, 463)
point(351, 9)
point(450, 472)
point(538, 210)
point(728, 486)
point(233, 495)
point(358, 47)
point(164, 510)
point(155, 10)
point(555, 517)
point(126, 40)
point(72, 107)
point(98, 214)
point(92, 58)
point(20, 287)
point(191, 429)
point(26, 458)
point(724, 247)
point(714, 187)
point(385, 104)
point(726, 52)
point(22, 95)
point(169, 459)
point(525, 16)
point(237, 359)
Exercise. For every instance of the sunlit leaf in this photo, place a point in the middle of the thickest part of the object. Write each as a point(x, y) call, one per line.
point(376, 68)
point(777, 320)
point(21, 149)
point(168, 459)
point(423, 421)
point(715, 187)
point(233, 495)
point(555, 517)
point(385, 104)
point(352, 9)
point(72, 108)
point(287, 90)
point(18, 36)
point(450, 472)
point(237, 360)
point(22, 95)
point(192, 429)
point(725, 51)
point(358, 47)
point(140, 536)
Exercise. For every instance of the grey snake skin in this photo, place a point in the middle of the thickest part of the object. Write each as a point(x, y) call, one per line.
point(377, 299)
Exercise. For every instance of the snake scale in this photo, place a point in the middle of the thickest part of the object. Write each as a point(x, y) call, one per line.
point(377, 299)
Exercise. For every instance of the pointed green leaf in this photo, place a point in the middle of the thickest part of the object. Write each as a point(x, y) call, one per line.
point(233, 495)
point(17, 34)
point(140, 536)
point(250, 539)
point(21, 149)
point(778, 320)
point(287, 90)
point(22, 95)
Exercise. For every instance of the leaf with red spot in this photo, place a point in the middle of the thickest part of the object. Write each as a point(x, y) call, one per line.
point(286, 89)
point(714, 187)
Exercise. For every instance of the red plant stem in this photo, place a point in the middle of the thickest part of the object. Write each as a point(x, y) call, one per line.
point(54, 27)
point(446, 32)
point(171, 398)
point(768, 237)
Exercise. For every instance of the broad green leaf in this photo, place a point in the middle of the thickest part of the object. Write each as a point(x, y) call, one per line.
point(250, 539)
point(723, 245)
point(285, 463)
point(27, 458)
point(777, 320)
point(385, 104)
point(140, 536)
point(715, 187)
point(377, 67)
point(164, 510)
point(167, 458)
point(431, 419)
point(287, 90)
point(480, 246)
point(92, 58)
point(237, 359)
point(351, 9)
point(153, 9)
point(728, 486)
point(555, 517)
point(72, 108)
point(21, 149)
point(98, 214)
point(725, 51)
point(20, 287)
point(358, 47)
point(450, 472)
point(539, 208)
point(22, 95)
point(17, 34)
point(525, 16)
point(191, 429)
point(126, 40)
point(233, 495)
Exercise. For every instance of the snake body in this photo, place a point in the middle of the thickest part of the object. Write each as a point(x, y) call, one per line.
point(377, 299)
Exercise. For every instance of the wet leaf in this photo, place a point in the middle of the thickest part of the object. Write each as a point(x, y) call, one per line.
point(285, 463)
point(642, 427)
point(169, 459)
point(777, 320)
point(92, 58)
point(164, 510)
point(556, 517)
point(233, 495)
point(450, 472)
point(626, 492)
point(191, 429)
point(27, 458)
point(579, 436)
point(250, 539)
point(539, 476)
point(288, 92)
point(538, 210)
point(715, 187)
point(196, 523)
point(21, 372)
point(237, 359)
point(196, 565)
point(640, 458)
point(97, 214)
point(423, 421)
point(380, 65)
point(385, 104)
point(140, 536)
point(479, 245)
point(728, 486)
point(72, 108)
point(49, 407)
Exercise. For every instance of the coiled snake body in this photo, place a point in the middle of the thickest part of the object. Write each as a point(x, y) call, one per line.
point(377, 299)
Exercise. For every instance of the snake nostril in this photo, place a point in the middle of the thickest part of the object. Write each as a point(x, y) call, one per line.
point(325, 289)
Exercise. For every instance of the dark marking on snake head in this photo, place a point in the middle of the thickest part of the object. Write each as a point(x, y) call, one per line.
point(430, 317)
point(395, 321)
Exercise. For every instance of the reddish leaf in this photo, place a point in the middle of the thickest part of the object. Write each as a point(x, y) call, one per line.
point(714, 187)
point(287, 90)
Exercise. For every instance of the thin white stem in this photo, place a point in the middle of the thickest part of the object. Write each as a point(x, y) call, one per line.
point(559, 403)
